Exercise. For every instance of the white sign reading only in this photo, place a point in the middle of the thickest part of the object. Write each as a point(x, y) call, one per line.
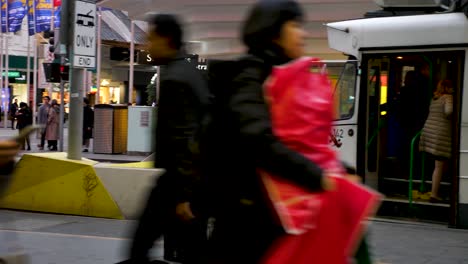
point(84, 37)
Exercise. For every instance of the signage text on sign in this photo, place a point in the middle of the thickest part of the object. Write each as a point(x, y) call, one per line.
point(84, 61)
point(84, 47)
point(84, 41)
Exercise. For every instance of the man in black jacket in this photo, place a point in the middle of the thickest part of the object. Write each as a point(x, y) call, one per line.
point(171, 209)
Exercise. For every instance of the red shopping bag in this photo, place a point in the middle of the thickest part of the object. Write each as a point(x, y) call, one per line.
point(339, 226)
point(322, 227)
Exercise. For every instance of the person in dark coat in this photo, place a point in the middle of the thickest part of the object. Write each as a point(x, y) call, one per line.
point(171, 210)
point(88, 124)
point(13, 108)
point(245, 225)
point(24, 117)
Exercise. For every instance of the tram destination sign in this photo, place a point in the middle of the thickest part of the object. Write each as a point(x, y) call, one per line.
point(84, 35)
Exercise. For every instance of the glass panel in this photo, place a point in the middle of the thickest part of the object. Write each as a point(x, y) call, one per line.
point(345, 92)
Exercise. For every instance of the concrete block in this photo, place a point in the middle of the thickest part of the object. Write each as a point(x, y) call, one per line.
point(129, 187)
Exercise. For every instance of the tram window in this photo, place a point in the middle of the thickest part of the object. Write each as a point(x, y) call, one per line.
point(345, 92)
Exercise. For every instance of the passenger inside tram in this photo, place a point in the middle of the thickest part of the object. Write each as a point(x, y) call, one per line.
point(400, 91)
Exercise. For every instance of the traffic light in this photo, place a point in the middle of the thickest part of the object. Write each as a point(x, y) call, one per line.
point(53, 37)
point(54, 72)
point(64, 72)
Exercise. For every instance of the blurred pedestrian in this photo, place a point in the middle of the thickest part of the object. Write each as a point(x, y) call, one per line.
point(24, 117)
point(43, 120)
point(171, 210)
point(245, 226)
point(52, 130)
point(8, 151)
point(88, 124)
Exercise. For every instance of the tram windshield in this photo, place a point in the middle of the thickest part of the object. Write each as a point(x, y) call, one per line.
point(345, 92)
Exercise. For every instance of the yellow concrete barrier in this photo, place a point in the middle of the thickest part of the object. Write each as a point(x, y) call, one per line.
point(49, 182)
point(141, 165)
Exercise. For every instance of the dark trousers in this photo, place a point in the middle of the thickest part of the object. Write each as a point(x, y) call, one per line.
point(363, 255)
point(243, 235)
point(183, 241)
point(26, 141)
point(43, 134)
point(52, 144)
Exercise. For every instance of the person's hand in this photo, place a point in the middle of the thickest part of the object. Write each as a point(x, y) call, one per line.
point(353, 178)
point(328, 183)
point(184, 212)
point(8, 151)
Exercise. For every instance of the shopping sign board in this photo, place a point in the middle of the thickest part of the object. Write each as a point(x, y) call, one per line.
point(84, 36)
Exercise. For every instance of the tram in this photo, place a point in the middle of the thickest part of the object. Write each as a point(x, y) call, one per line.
point(376, 131)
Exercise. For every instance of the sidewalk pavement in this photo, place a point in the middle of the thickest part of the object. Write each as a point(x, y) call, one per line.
point(81, 240)
point(7, 133)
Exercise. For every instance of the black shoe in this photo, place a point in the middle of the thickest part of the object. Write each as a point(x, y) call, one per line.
point(85, 150)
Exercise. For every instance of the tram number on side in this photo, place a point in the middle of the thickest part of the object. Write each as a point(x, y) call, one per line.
point(338, 133)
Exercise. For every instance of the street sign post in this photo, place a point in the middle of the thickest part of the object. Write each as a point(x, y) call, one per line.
point(84, 35)
point(82, 43)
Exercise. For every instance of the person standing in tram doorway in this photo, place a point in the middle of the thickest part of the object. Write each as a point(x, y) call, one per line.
point(436, 137)
point(171, 209)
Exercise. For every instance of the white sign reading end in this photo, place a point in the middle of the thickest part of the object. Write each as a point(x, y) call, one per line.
point(84, 37)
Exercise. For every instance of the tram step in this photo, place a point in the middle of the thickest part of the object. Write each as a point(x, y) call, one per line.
point(419, 210)
point(415, 181)
point(399, 187)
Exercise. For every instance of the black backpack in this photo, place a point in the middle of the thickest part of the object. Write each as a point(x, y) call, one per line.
point(212, 136)
point(214, 123)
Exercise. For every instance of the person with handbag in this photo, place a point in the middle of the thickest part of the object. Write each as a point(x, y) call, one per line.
point(247, 228)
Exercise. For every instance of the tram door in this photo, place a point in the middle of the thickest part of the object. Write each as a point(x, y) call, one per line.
point(400, 88)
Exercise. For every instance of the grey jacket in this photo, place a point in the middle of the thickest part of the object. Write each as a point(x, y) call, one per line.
point(42, 115)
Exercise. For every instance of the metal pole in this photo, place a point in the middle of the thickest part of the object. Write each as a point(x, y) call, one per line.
point(98, 59)
point(75, 126)
point(28, 73)
point(35, 78)
point(52, 19)
point(62, 108)
point(132, 53)
point(62, 50)
point(7, 68)
point(5, 104)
